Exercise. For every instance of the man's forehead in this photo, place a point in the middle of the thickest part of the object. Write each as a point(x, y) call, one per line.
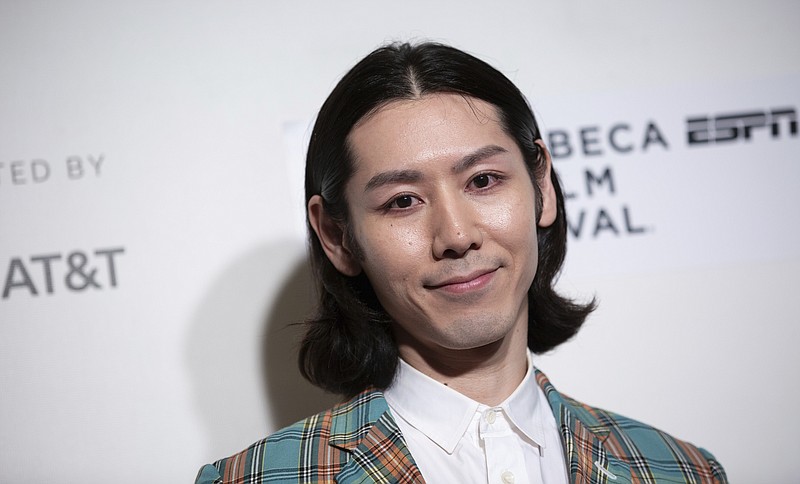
point(482, 110)
point(433, 127)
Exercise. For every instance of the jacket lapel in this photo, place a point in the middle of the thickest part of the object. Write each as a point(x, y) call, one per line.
point(366, 430)
point(583, 437)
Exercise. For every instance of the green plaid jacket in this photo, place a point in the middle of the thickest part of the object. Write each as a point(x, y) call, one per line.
point(359, 442)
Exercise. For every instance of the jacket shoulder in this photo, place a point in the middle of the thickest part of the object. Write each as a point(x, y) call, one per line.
point(648, 451)
point(308, 450)
point(282, 457)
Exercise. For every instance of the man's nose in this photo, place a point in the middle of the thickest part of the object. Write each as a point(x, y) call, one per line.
point(456, 228)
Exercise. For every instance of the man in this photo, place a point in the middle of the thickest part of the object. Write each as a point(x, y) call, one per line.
point(437, 228)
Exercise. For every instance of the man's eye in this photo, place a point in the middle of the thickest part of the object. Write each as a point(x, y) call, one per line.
point(403, 201)
point(483, 180)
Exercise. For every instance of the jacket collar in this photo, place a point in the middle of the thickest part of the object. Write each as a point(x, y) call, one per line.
point(365, 429)
point(583, 436)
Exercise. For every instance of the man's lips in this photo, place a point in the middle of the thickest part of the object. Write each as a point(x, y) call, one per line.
point(465, 282)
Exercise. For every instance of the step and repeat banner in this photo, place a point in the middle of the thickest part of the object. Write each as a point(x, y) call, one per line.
point(152, 235)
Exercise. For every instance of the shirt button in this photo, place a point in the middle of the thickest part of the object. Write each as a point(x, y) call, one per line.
point(507, 477)
point(491, 416)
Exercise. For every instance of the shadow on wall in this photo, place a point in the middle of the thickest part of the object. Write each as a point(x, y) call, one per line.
point(242, 348)
point(290, 396)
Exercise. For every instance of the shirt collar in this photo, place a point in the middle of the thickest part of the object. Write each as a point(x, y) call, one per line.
point(444, 415)
point(439, 412)
point(525, 407)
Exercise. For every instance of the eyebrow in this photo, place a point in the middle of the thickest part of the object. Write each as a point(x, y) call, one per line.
point(411, 176)
point(393, 176)
point(480, 154)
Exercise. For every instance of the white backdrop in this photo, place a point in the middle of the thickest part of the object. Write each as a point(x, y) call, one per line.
point(151, 246)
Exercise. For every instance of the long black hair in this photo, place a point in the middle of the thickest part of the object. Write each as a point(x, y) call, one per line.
point(348, 345)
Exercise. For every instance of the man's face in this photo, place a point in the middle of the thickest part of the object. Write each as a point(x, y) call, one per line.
point(442, 209)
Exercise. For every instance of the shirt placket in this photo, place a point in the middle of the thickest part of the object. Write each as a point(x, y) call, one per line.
point(505, 462)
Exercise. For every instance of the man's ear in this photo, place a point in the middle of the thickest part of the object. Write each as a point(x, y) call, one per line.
point(549, 211)
point(332, 238)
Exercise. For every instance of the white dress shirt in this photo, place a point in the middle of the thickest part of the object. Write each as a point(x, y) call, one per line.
point(453, 438)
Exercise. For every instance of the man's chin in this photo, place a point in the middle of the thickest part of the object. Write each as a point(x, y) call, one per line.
point(479, 336)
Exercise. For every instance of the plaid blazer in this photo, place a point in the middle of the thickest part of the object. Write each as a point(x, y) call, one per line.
point(359, 442)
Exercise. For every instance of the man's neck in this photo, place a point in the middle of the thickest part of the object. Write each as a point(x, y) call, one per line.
point(488, 374)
